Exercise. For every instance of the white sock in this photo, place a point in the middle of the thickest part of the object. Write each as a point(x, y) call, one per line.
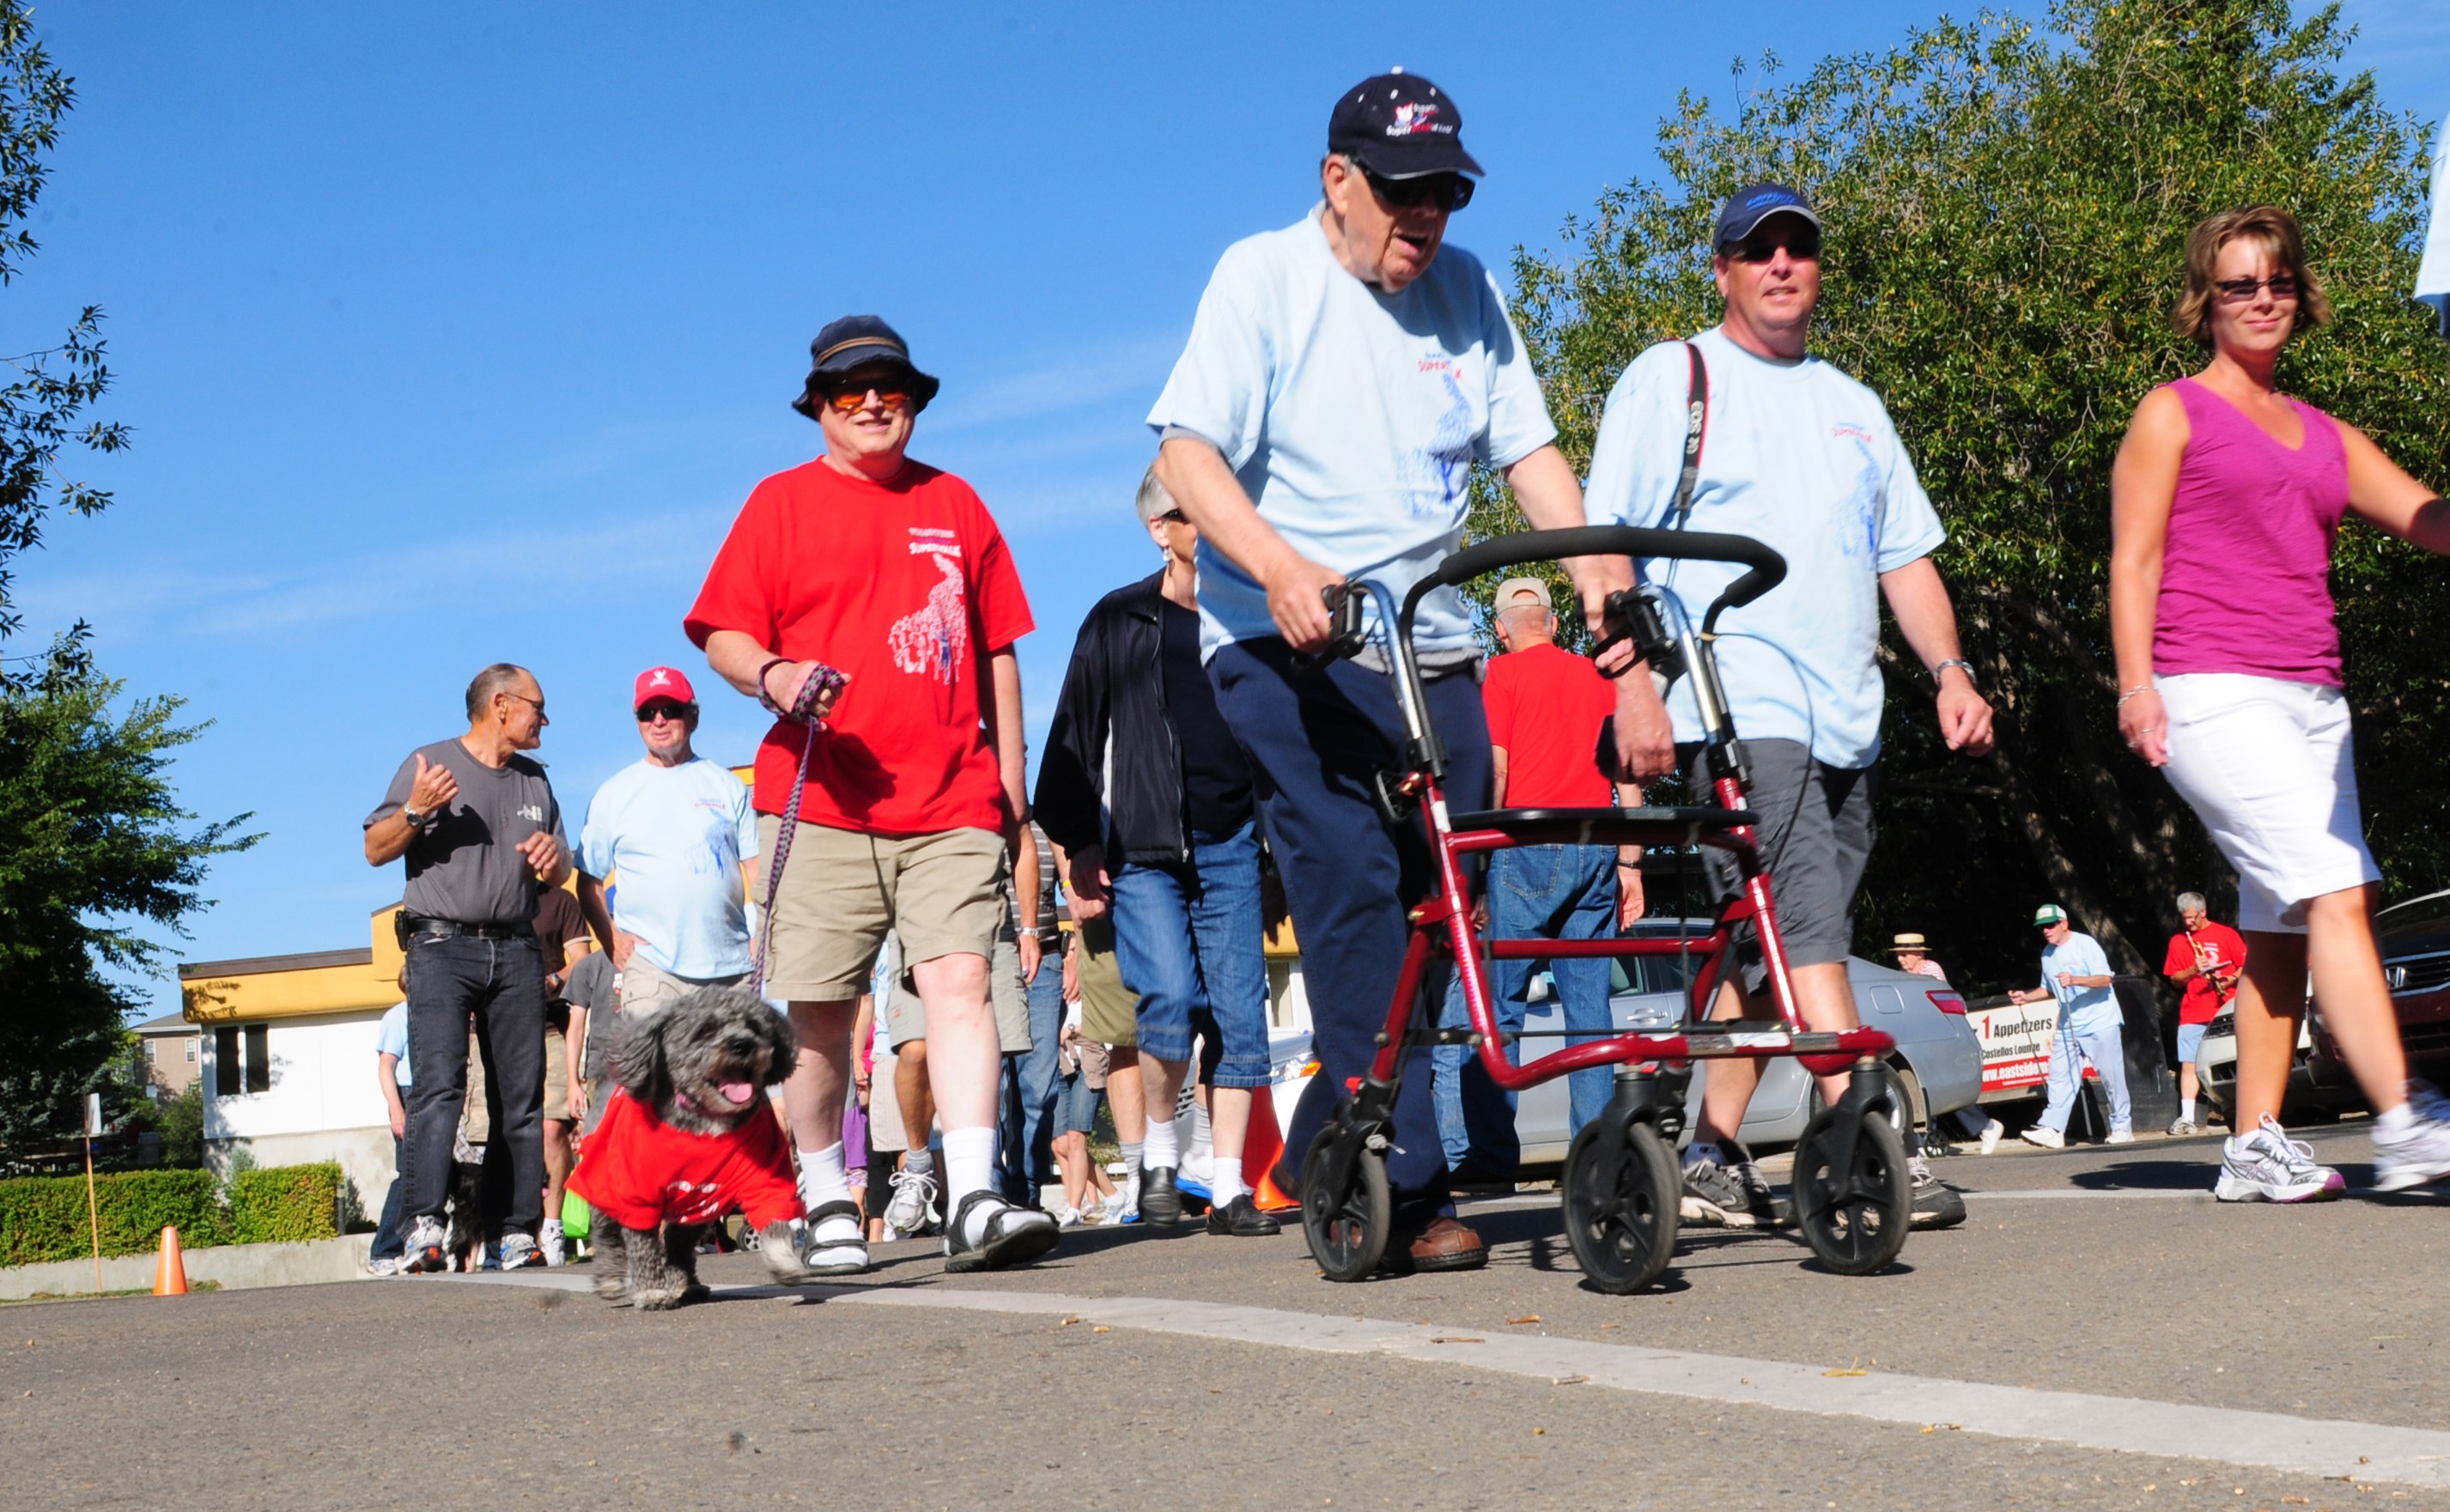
point(1159, 1147)
point(1202, 1142)
point(2187, 1109)
point(920, 1161)
point(1132, 1149)
point(1226, 1184)
point(821, 1177)
point(2395, 1120)
point(969, 1166)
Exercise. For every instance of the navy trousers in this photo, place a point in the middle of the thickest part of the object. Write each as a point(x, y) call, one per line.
point(1315, 740)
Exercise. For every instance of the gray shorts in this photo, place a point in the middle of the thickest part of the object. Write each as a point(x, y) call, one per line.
point(1815, 835)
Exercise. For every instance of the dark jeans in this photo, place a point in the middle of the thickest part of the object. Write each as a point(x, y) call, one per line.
point(499, 985)
point(1032, 1085)
point(390, 1243)
point(1315, 740)
point(1535, 892)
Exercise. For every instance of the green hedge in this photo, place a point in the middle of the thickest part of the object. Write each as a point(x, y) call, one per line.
point(43, 1217)
point(282, 1204)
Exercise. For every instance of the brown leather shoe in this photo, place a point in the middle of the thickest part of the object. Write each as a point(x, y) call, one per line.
point(1447, 1245)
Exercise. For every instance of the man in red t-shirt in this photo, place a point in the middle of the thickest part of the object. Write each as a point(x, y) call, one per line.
point(2207, 959)
point(893, 574)
point(1545, 705)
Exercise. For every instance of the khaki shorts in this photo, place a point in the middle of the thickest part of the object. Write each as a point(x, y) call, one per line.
point(557, 1073)
point(843, 891)
point(647, 989)
point(906, 1017)
point(1109, 1009)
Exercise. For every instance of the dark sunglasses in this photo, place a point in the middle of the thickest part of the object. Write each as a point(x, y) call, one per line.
point(1447, 191)
point(1175, 517)
point(1803, 244)
point(2242, 291)
point(662, 708)
point(848, 401)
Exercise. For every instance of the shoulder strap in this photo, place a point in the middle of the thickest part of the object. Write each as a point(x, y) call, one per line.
point(1696, 424)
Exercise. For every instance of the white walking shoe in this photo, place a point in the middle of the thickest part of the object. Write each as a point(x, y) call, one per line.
point(914, 1195)
point(2046, 1137)
point(2120, 1136)
point(2267, 1165)
point(2421, 1152)
point(1990, 1135)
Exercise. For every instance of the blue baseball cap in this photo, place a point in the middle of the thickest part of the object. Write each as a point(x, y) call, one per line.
point(1751, 205)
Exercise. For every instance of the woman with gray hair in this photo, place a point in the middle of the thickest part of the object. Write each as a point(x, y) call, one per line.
point(2225, 501)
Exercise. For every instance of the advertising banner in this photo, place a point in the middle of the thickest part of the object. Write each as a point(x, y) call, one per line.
point(2015, 1043)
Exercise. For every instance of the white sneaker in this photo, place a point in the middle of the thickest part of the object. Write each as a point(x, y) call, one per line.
point(2267, 1165)
point(2046, 1137)
point(1119, 1208)
point(387, 1266)
point(1071, 1218)
point(2120, 1136)
point(2421, 1152)
point(2182, 1126)
point(914, 1195)
point(1990, 1135)
point(549, 1240)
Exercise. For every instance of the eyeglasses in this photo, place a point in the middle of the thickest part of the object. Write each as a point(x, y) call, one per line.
point(1803, 244)
point(2242, 291)
point(1447, 191)
point(849, 402)
point(523, 698)
point(662, 708)
point(1175, 517)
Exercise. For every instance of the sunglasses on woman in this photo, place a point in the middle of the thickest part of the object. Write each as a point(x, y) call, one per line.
point(2242, 291)
point(1447, 191)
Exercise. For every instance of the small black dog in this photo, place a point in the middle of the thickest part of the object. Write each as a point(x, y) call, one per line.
point(686, 1139)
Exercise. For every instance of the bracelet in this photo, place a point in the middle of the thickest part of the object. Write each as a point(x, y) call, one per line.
point(2140, 687)
point(1956, 661)
point(763, 696)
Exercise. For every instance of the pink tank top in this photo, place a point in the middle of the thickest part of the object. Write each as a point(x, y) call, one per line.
point(2246, 578)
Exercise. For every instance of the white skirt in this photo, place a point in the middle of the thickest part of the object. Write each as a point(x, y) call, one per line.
point(2270, 767)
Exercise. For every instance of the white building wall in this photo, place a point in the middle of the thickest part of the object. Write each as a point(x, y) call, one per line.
point(322, 1104)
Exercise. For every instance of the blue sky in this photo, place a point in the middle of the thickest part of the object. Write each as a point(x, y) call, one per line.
point(451, 335)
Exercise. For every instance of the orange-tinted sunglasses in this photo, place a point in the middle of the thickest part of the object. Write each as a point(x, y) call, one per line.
point(848, 402)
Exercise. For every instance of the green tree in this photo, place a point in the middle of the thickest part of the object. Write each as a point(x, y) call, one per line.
point(2007, 208)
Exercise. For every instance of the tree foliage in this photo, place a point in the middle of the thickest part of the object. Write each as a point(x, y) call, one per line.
point(2007, 208)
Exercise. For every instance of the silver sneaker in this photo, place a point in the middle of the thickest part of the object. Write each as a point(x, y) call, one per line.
point(2421, 1152)
point(426, 1249)
point(2267, 1165)
point(2181, 1128)
point(519, 1252)
point(914, 1195)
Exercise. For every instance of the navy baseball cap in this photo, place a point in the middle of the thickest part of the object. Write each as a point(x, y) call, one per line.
point(858, 341)
point(1399, 126)
point(1751, 205)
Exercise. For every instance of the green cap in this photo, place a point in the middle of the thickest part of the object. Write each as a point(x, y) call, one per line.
point(2049, 914)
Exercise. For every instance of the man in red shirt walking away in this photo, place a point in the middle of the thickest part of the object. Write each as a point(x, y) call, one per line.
point(2207, 959)
point(1545, 705)
point(892, 574)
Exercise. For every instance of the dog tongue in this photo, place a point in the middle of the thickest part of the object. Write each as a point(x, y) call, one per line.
point(738, 1093)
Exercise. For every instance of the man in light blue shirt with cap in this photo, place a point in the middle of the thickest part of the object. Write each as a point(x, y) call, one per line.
point(2076, 971)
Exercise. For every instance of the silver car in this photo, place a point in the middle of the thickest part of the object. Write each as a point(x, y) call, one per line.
point(1936, 1069)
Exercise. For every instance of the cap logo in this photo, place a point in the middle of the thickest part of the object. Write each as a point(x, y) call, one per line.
point(662, 677)
point(1413, 119)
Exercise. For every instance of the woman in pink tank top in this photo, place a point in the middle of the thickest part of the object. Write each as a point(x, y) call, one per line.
point(2224, 500)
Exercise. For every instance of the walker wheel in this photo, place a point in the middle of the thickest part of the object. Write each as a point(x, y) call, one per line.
point(1856, 1219)
point(1346, 1222)
point(1621, 1200)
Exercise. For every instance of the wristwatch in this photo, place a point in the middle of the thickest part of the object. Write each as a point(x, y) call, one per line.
point(415, 820)
point(1958, 662)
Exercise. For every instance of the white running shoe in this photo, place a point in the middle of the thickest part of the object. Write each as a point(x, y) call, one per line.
point(2120, 1136)
point(2267, 1165)
point(1120, 1209)
point(1990, 1135)
point(2046, 1137)
point(549, 1239)
point(2420, 1152)
point(1071, 1218)
point(2182, 1126)
point(914, 1195)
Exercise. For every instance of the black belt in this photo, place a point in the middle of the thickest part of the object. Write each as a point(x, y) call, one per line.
point(453, 929)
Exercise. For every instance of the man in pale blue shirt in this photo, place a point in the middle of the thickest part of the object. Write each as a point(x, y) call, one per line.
point(2076, 971)
point(1796, 454)
point(676, 832)
point(1343, 375)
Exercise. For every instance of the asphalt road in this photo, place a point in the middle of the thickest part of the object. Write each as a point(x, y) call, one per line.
point(2098, 1334)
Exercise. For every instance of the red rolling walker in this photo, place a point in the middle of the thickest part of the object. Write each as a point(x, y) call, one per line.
point(1622, 1187)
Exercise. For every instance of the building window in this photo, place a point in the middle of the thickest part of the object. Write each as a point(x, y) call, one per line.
point(259, 1058)
point(191, 1049)
point(225, 1078)
point(154, 1051)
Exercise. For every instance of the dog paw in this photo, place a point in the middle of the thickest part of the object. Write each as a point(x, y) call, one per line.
point(657, 1299)
point(611, 1289)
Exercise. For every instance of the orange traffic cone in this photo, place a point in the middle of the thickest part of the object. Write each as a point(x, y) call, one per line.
point(1260, 1148)
point(170, 1274)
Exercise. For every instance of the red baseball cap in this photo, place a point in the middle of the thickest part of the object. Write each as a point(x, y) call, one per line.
point(662, 682)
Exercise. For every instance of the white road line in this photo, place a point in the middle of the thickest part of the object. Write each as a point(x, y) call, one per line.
point(2363, 1452)
point(2113, 1193)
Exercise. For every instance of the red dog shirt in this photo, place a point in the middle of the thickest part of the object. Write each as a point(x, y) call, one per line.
point(639, 1170)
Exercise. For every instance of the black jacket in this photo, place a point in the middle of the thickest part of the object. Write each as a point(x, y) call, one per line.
point(1112, 775)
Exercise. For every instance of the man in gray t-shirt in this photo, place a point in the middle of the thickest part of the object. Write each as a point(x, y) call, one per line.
point(479, 826)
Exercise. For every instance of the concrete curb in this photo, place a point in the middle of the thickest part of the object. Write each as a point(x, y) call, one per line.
point(233, 1266)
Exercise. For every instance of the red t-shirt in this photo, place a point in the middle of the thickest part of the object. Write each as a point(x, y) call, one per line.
point(2213, 944)
point(640, 1170)
point(1544, 707)
point(907, 589)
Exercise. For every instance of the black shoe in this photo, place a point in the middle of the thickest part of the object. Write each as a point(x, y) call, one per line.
point(1240, 1217)
point(1159, 1201)
point(1935, 1204)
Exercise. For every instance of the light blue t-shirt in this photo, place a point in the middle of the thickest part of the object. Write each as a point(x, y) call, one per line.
point(680, 839)
point(391, 1039)
point(2082, 1010)
point(1803, 458)
point(1352, 417)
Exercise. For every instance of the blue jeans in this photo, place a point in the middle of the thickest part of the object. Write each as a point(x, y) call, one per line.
point(1535, 892)
point(1187, 939)
point(2105, 1048)
point(390, 1242)
point(1315, 741)
point(499, 983)
point(1032, 1085)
